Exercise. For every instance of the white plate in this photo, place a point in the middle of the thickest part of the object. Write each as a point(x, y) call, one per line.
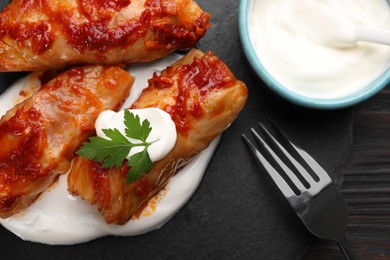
point(59, 218)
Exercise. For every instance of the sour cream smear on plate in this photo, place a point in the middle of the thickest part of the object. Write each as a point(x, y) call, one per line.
point(58, 218)
point(300, 44)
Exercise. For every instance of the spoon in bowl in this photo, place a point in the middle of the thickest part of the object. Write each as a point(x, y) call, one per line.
point(328, 28)
point(371, 35)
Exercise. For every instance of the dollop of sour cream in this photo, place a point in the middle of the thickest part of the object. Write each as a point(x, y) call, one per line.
point(163, 135)
point(299, 43)
point(58, 218)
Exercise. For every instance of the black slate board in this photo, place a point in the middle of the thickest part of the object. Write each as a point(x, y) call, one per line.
point(237, 212)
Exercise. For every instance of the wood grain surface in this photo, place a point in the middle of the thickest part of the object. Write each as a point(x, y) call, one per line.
point(366, 185)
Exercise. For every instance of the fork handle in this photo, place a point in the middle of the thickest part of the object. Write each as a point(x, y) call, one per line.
point(346, 249)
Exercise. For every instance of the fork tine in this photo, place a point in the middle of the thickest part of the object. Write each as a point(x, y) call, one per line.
point(319, 174)
point(279, 181)
point(291, 175)
point(301, 170)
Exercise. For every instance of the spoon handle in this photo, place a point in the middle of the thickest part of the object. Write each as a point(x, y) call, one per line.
point(372, 35)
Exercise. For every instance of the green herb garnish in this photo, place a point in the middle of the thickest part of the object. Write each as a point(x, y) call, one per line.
point(111, 153)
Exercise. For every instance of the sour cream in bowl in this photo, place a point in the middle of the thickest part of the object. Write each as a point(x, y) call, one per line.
point(290, 46)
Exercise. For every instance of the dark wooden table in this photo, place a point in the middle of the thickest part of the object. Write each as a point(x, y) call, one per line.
point(366, 185)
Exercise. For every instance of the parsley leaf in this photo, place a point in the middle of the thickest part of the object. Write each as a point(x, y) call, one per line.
point(139, 162)
point(134, 129)
point(113, 151)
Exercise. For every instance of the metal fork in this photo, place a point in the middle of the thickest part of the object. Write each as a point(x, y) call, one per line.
point(305, 184)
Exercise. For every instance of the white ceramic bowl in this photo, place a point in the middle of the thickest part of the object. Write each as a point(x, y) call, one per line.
point(319, 103)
